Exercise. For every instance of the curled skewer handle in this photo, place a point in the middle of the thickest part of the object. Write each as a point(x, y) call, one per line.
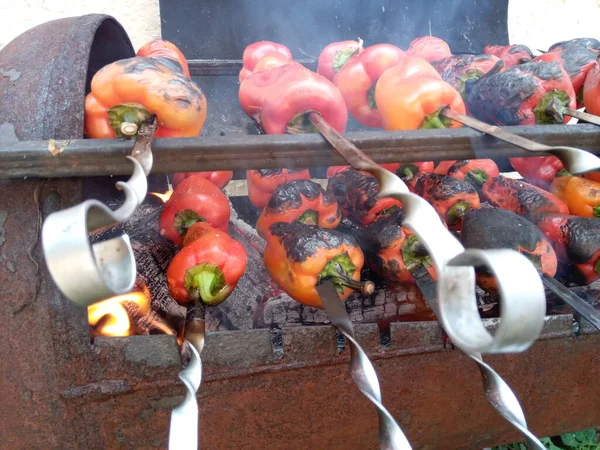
point(363, 373)
point(574, 159)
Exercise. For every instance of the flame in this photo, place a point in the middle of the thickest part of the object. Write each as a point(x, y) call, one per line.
point(110, 318)
point(164, 197)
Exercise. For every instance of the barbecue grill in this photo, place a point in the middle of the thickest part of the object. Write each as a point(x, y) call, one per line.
point(273, 381)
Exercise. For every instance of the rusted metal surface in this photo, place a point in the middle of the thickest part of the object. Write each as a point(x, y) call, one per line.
point(47, 102)
point(241, 152)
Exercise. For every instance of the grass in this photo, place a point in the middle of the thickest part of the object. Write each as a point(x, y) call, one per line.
point(580, 440)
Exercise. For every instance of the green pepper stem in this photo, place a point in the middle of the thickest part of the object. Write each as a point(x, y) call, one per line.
point(300, 124)
point(205, 282)
point(371, 96)
point(309, 217)
point(340, 269)
point(596, 210)
point(434, 120)
point(563, 173)
point(185, 219)
point(550, 109)
point(597, 266)
point(414, 253)
point(536, 260)
point(407, 171)
point(457, 211)
point(125, 119)
point(476, 177)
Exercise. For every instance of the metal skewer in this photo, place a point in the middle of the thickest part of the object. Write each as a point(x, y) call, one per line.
point(582, 116)
point(106, 268)
point(575, 160)
point(363, 373)
point(521, 290)
point(573, 300)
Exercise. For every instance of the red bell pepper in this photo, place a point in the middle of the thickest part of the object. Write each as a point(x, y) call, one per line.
point(299, 201)
point(208, 267)
point(358, 78)
point(576, 241)
point(493, 228)
point(392, 167)
point(408, 171)
point(429, 48)
point(262, 183)
point(194, 200)
point(450, 197)
point(220, 178)
point(411, 95)
point(591, 90)
point(254, 52)
point(278, 99)
point(520, 197)
point(335, 56)
point(356, 193)
point(460, 69)
point(390, 249)
point(512, 55)
point(538, 170)
point(443, 167)
point(589, 43)
point(165, 52)
point(474, 171)
point(527, 94)
point(577, 62)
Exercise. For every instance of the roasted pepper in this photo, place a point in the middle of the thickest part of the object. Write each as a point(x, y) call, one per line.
point(335, 56)
point(219, 178)
point(591, 90)
point(391, 250)
point(358, 78)
point(408, 171)
point(256, 51)
point(528, 94)
point(208, 267)
point(278, 99)
point(589, 43)
point(474, 171)
point(576, 241)
point(332, 170)
point(430, 48)
point(166, 52)
point(443, 167)
point(582, 196)
point(458, 70)
point(262, 183)
point(411, 95)
point(577, 62)
point(194, 200)
point(520, 197)
point(492, 228)
point(300, 200)
point(128, 92)
point(450, 197)
point(538, 170)
point(299, 256)
point(510, 54)
point(356, 193)
point(559, 184)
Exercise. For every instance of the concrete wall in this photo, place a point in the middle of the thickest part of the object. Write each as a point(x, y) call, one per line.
point(535, 23)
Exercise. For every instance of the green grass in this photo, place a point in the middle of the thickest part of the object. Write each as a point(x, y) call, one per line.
point(581, 440)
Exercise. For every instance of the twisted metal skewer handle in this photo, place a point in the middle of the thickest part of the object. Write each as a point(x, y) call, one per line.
point(503, 400)
point(183, 434)
point(363, 373)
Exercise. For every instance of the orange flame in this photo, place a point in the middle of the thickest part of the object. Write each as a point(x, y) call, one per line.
point(164, 197)
point(110, 318)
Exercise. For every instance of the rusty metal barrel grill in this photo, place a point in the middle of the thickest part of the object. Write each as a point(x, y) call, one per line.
point(262, 380)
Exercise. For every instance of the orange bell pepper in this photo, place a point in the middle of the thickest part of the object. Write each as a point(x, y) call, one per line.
point(166, 52)
point(411, 95)
point(299, 256)
point(300, 200)
point(262, 183)
point(129, 92)
point(583, 197)
point(358, 78)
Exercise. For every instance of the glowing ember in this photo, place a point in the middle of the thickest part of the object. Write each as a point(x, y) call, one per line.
point(164, 197)
point(110, 317)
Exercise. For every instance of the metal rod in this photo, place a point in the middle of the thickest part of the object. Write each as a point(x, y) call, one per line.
point(232, 67)
point(577, 303)
point(102, 157)
point(582, 116)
